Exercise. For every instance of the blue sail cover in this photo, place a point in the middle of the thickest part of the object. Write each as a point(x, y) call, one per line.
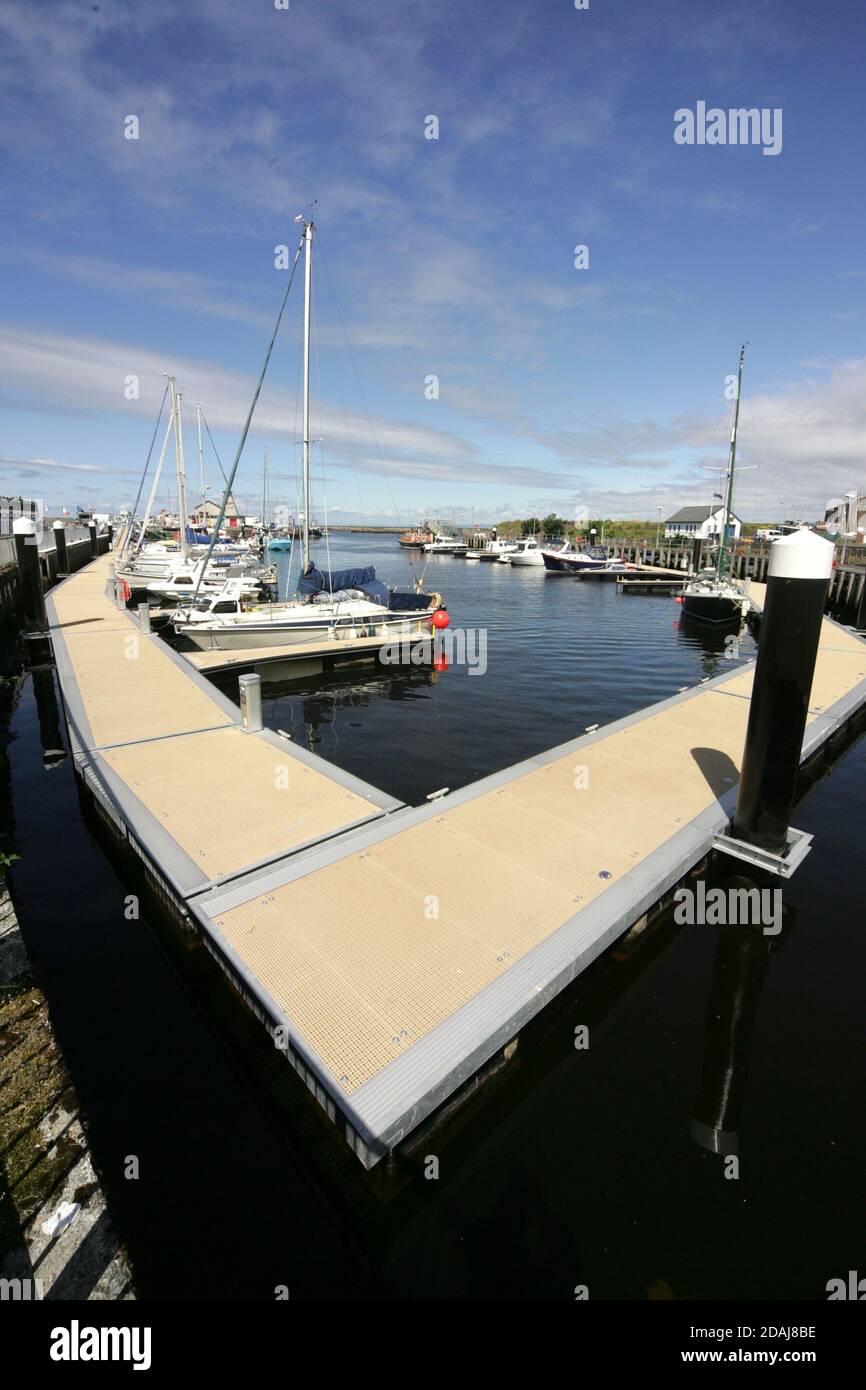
point(407, 603)
point(361, 577)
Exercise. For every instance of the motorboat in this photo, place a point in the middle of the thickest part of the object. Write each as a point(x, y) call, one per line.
point(493, 550)
point(568, 560)
point(528, 552)
point(443, 544)
point(253, 582)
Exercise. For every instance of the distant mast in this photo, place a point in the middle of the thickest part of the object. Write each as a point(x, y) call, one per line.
point(722, 559)
point(176, 405)
point(201, 466)
point(308, 294)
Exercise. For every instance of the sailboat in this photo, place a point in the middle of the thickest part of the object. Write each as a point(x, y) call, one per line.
point(332, 604)
point(142, 562)
point(714, 596)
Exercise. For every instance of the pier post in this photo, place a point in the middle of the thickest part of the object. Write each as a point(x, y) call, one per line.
point(144, 616)
point(860, 618)
point(94, 545)
point(30, 573)
point(797, 584)
point(251, 703)
point(60, 547)
point(110, 537)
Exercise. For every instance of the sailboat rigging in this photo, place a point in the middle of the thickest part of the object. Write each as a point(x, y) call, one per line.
point(331, 604)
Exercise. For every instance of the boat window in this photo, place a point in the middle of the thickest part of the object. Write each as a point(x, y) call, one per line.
point(227, 606)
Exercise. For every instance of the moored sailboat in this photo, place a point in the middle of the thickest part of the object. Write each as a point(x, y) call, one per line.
point(330, 603)
point(714, 596)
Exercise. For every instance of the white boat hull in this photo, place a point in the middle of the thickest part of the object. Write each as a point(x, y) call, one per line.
point(249, 635)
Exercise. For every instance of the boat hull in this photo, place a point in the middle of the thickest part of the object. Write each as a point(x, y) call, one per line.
point(569, 564)
point(712, 608)
point(248, 636)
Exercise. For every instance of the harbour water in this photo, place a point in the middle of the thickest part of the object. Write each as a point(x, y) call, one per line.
point(558, 654)
point(565, 1167)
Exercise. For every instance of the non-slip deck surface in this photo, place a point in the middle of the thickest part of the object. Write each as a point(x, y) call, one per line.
point(401, 930)
point(368, 954)
point(228, 799)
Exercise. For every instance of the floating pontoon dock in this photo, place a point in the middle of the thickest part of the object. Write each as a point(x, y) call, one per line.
point(305, 657)
point(397, 949)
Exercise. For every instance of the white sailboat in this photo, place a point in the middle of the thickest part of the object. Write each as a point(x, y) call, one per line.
point(331, 603)
point(173, 562)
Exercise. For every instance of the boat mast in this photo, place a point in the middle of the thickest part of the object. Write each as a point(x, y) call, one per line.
point(308, 289)
point(201, 465)
point(176, 400)
point(723, 558)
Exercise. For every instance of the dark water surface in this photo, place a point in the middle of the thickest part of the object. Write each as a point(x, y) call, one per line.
point(566, 1167)
point(561, 654)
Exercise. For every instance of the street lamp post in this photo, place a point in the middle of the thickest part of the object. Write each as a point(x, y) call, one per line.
point(658, 526)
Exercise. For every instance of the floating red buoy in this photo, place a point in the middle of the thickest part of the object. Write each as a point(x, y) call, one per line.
point(679, 599)
point(440, 619)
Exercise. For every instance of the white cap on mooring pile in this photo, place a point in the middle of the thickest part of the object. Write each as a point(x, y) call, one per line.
point(23, 526)
point(802, 555)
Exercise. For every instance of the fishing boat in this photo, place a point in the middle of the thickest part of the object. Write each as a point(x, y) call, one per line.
point(416, 540)
point(279, 542)
point(330, 603)
point(714, 596)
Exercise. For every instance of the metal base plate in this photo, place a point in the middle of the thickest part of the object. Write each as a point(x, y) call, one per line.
point(783, 865)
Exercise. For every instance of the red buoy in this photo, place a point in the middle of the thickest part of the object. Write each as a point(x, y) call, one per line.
point(440, 619)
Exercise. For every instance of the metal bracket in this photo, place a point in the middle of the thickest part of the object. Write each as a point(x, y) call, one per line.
point(783, 865)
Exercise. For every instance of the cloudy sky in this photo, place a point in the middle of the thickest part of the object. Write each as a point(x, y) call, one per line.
point(452, 257)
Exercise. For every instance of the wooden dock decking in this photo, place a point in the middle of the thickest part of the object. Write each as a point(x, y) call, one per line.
point(397, 949)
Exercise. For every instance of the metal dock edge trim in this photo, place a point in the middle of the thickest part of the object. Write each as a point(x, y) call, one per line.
point(412, 1086)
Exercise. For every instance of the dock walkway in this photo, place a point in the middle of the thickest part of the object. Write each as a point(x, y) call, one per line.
point(397, 949)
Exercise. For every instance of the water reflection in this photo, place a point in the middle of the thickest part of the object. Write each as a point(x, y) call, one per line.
point(718, 646)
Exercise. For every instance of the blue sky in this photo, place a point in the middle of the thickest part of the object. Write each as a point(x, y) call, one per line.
point(558, 387)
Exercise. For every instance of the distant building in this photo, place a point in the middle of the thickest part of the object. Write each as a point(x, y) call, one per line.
point(700, 523)
point(206, 513)
point(847, 517)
